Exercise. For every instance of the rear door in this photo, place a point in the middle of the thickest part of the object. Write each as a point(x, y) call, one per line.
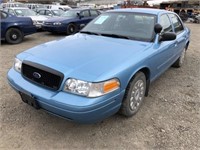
point(180, 33)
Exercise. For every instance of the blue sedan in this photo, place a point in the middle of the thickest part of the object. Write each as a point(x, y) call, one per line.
point(71, 21)
point(13, 29)
point(105, 68)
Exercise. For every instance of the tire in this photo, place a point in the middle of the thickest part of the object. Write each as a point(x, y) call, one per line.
point(14, 36)
point(134, 95)
point(71, 29)
point(179, 62)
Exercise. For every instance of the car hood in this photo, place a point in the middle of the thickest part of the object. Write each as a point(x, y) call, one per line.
point(58, 19)
point(85, 57)
point(38, 18)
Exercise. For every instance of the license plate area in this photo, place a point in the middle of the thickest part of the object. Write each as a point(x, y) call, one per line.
point(29, 100)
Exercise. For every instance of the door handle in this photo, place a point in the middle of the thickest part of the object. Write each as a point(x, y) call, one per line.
point(176, 44)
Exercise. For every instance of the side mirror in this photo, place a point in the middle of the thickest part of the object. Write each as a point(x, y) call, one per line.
point(79, 15)
point(168, 36)
point(157, 28)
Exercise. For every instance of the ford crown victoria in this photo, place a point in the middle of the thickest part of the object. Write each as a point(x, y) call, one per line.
point(105, 68)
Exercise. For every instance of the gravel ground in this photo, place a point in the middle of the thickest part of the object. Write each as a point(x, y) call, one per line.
point(168, 119)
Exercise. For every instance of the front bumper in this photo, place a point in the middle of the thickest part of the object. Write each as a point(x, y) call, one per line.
point(38, 26)
point(72, 107)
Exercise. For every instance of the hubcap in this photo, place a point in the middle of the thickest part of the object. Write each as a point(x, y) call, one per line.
point(137, 95)
point(14, 36)
point(71, 29)
point(182, 57)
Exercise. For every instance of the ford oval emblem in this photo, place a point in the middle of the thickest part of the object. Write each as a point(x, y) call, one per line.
point(36, 75)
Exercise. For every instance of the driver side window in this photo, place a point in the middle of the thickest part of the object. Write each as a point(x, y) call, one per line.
point(41, 12)
point(11, 11)
point(165, 23)
point(48, 13)
point(85, 13)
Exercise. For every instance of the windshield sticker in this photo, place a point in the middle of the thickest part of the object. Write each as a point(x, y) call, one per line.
point(101, 19)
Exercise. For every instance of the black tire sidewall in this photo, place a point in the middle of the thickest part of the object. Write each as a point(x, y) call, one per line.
point(126, 110)
point(71, 25)
point(11, 31)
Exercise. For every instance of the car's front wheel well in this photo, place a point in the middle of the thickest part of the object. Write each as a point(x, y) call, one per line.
point(14, 27)
point(146, 72)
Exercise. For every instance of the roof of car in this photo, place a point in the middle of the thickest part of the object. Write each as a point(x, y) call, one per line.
point(80, 9)
point(47, 9)
point(18, 8)
point(140, 10)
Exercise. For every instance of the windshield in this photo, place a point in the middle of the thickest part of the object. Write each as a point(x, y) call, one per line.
point(57, 12)
point(25, 12)
point(127, 25)
point(70, 13)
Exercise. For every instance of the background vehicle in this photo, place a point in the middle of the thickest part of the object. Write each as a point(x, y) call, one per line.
point(62, 7)
point(50, 12)
point(16, 4)
point(70, 21)
point(13, 29)
point(35, 7)
point(26, 12)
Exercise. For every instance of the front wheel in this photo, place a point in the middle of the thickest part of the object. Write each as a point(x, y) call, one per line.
point(134, 95)
point(14, 36)
point(180, 60)
point(71, 29)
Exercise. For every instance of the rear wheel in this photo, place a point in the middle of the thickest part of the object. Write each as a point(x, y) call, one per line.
point(134, 95)
point(71, 29)
point(180, 60)
point(14, 36)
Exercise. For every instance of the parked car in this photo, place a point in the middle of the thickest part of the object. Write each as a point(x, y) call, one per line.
point(35, 7)
point(26, 12)
point(11, 5)
point(61, 7)
point(196, 18)
point(13, 29)
point(105, 68)
point(70, 21)
point(50, 12)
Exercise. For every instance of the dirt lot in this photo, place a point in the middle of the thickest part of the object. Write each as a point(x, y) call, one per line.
point(168, 119)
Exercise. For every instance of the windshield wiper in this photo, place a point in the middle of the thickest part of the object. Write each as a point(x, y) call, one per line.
point(115, 36)
point(88, 32)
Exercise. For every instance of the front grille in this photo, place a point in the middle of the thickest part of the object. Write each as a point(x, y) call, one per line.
point(48, 23)
point(42, 75)
point(41, 22)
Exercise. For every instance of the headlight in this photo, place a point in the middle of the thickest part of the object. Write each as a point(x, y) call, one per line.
point(89, 89)
point(57, 23)
point(18, 65)
point(34, 22)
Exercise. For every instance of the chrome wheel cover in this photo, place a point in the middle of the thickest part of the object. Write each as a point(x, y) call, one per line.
point(182, 57)
point(137, 95)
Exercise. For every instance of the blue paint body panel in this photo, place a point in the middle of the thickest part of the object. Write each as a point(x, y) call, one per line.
point(95, 58)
